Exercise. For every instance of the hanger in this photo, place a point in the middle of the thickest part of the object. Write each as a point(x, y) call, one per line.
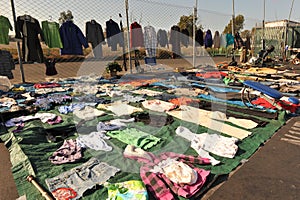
point(50, 18)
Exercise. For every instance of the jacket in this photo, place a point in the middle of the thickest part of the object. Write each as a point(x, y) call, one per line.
point(72, 39)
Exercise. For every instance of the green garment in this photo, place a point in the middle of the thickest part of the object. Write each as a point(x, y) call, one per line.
point(5, 26)
point(134, 137)
point(51, 33)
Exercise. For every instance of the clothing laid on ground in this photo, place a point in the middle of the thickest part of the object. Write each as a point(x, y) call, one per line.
point(69, 152)
point(72, 39)
point(28, 29)
point(135, 137)
point(94, 140)
point(94, 35)
point(197, 116)
point(83, 177)
point(51, 33)
point(214, 143)
point(160, 186)
point(6, 64)
point(120, 108)
point(5, 26)
point(158, 105)
point(128, 190)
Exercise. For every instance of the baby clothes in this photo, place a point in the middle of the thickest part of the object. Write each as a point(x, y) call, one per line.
point(158, 105)
point(135, 137)
point(88, 113)
point(214, 143)
point(159, 184)
point(68, 152)
point(94, 140)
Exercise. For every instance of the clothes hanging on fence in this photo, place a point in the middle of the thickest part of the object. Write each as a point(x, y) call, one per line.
point(174, 40)
point(185, 37)
point(94, 35)
point(28, 29)
point(229, 39)
point(6, 64)
point(5, 26)
point(150, 40)
point(72, 39)
point(208, 41)
point(136, 35)
point(199, 38)
point(162, 38)
point(223, 41)
point(51, 34)
point(113, 35)
point(217, 40)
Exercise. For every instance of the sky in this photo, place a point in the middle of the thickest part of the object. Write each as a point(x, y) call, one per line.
point(212, 14)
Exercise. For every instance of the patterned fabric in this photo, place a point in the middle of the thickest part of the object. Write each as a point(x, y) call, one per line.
point(150, 40)
point(162, 187)
point(68, 152)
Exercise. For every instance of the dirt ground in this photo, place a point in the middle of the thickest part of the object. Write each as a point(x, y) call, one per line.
point(271, 173)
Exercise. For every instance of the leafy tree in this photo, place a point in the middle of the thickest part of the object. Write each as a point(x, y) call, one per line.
point(186, 22)
point(238, 24)
point(245, 33)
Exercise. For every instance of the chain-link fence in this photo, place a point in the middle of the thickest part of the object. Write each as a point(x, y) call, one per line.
point(147, 13)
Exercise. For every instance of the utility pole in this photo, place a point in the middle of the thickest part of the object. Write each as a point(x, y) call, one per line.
point(263, 27)
point(128, 36)
point(194, 32)
point(232, 29)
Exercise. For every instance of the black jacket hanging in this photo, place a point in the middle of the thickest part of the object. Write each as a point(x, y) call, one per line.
point(28, 29)
point(199, 38)
point(113, 34)
point(94, 35)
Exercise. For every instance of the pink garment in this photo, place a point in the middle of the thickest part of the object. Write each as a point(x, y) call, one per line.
point(57, 120)
point(68, 152)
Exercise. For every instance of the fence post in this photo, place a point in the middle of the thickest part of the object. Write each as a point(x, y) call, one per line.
point(194, 33)
point(18, 42)
point(128, 36)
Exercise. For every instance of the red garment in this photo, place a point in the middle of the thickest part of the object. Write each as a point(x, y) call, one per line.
point(183, 101)
point(136, 35)
point(216, 74)
point(46, 85)
point(286, 105)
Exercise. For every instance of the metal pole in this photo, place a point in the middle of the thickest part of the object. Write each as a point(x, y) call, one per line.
point(128, 36)
point(286, 28)
point(194, 33)
point(232, 28)
point(18, 42)
point(263, 27)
